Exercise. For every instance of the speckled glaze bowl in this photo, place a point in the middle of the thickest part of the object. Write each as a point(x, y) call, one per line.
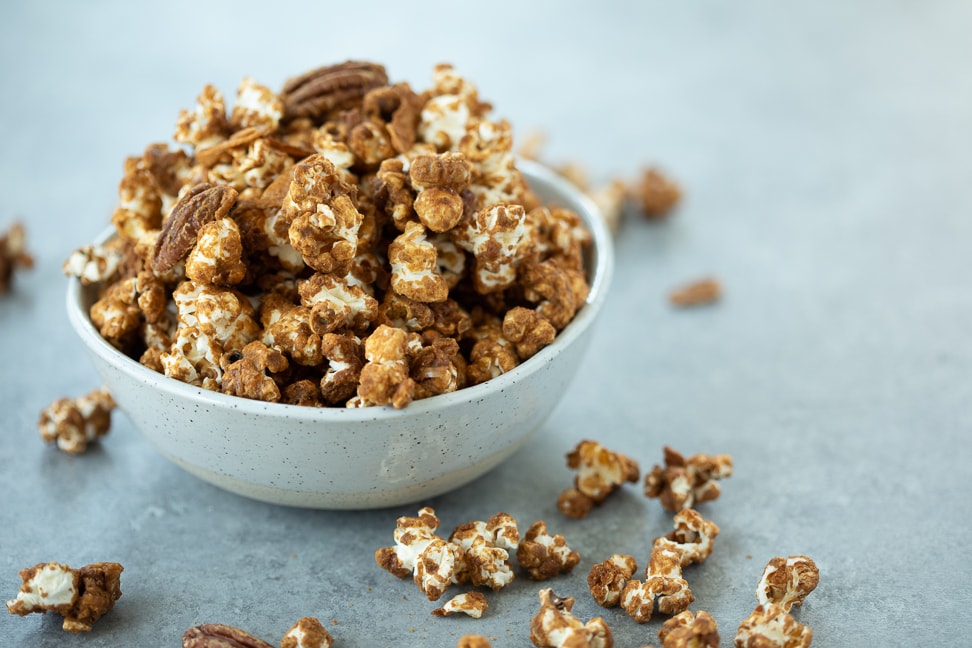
point(336, 458)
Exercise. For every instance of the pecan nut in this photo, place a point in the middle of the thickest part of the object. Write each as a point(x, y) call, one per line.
point(320, 92)
point(217, 635)
point(204, 203)
point(210, 155)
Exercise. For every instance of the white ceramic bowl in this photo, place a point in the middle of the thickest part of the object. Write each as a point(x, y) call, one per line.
point(337, 458)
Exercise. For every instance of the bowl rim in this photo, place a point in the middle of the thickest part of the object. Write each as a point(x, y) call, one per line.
point(601, 273)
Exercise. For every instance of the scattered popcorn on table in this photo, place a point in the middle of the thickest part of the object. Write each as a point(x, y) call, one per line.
point(554, 626)
point(696, 293)
point(682, 483)
point(75, 423)
point(486, 546)
point(607, 579)
point(307, 633)
point(544, 556)
point(686, 631)
point(412, 535)
point(81, 596)
point(655, 193)
point(471, 603)
point(600, 472)
point(476, 552)
point(692, 538)
point(13, 255)
point(663, 581)
point(437, 568)
point(770, 626)
point(787, 581)
point(338, 206)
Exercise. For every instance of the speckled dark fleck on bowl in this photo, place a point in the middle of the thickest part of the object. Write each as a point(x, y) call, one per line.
point(336, 458)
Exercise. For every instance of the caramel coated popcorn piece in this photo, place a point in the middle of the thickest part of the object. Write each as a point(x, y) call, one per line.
point(492, 353)
point(345, 356)
point(414, 271)
point(470, 603)
point(211, 321)
point(552, 287)
point(336, 304)
point(205, 125)
point(437, 567)
point(554, 626)
point(256, 106)
point(287, 327)
point(683, 483)
point(440, 181)
point(528, 330)
point(697, 293)
point(452, 111)
point(437, 367)
point(81, 596)
point(324, 219)
point(140, 201)
point(486, 548)
point(663, 582)
point(787, 581)
point(116, 314)
point(412, 536)
point(13, 255)
point(600, 472)
point(473, 641)
point(656, 194)
point(493, 236)
point(302, 392)
point(249, 373)
point(384, 378)
point(692, 538)
point(91, 264)
point(686, 631)
point(607, 579)
point(217, 257)
point(544, 556)
point(770, 626)
point(75, 423)
point(308, 632)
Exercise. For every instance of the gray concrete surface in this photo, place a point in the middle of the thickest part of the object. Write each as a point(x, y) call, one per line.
point(826, 153)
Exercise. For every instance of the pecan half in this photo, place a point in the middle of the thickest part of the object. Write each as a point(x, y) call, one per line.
point(210, 155)
point(217, 635)
point(317, 93)
point(203, 203)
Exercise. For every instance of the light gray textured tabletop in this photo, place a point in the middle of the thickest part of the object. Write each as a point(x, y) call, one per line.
point(826, 154)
